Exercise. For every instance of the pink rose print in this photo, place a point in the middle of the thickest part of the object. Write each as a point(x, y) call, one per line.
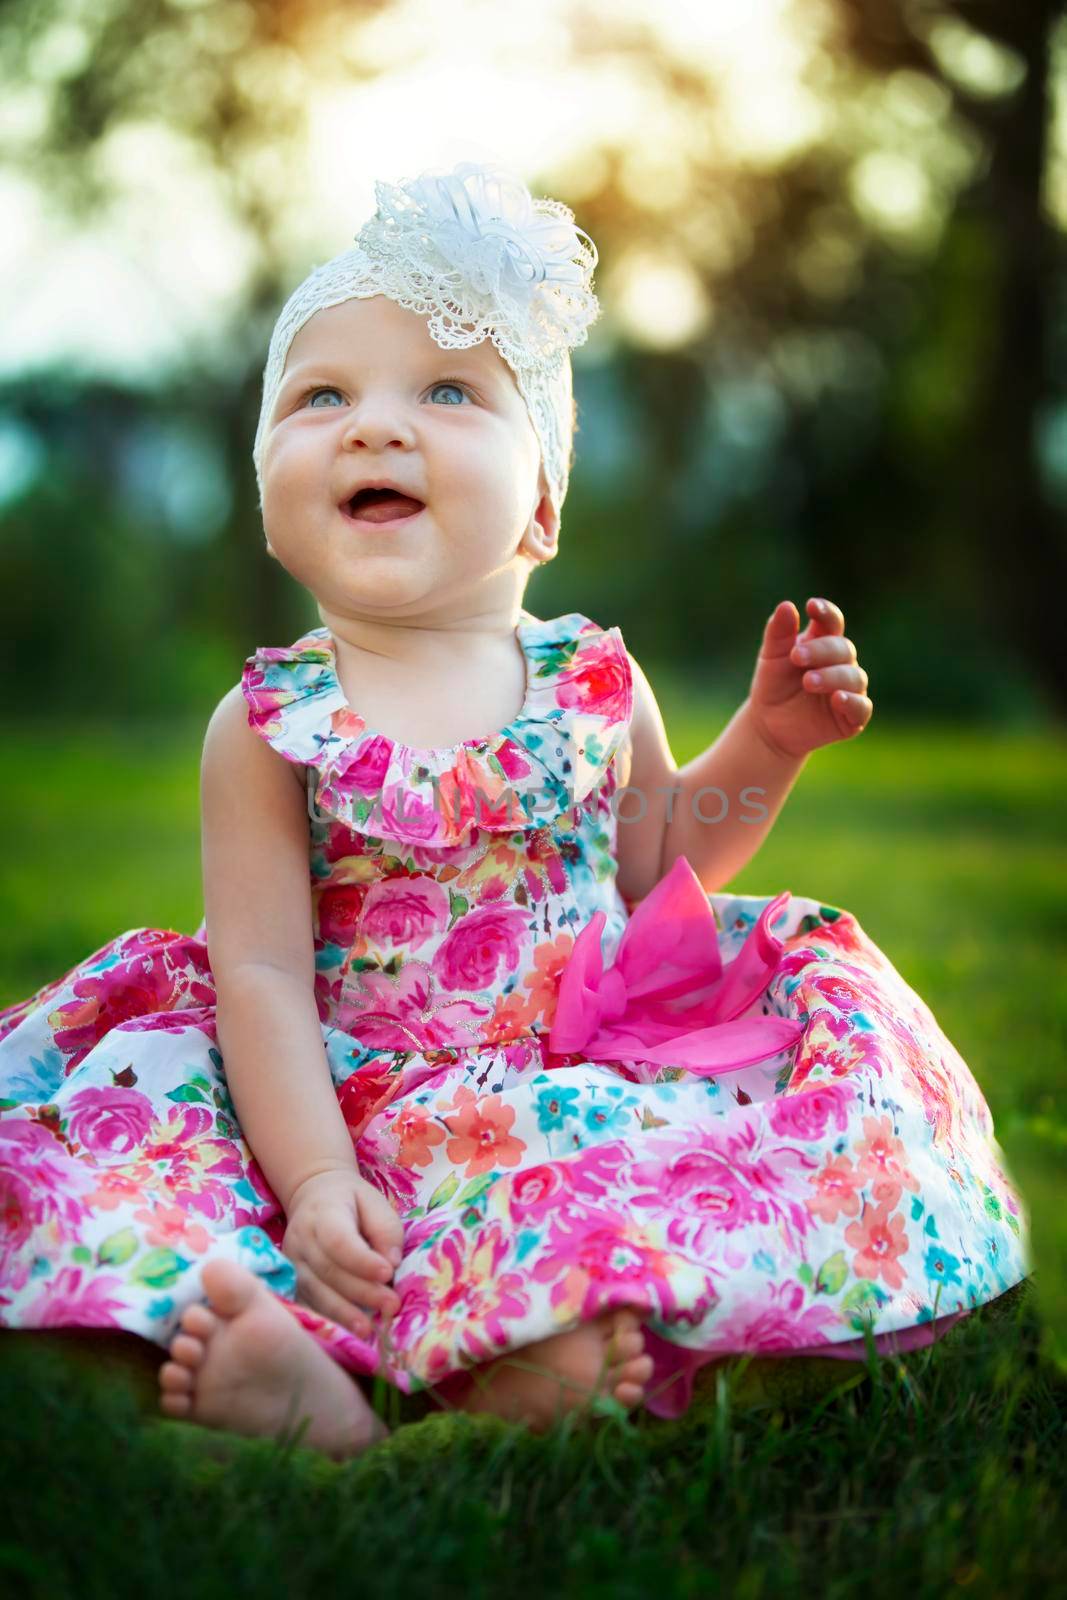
point(601, 684)
point(397, 1013)
point(399, 1186)
point(844, 992)
point(404, 911)
point(364, 1093)
point(535, 1193)
point(407, 814)
point(806, 1114)
point(470, 791)
point(17, 1206)
point(341, 844)
point(41, 1186)
point(109, 1121)
point(362, 769)
point(939, 1105)
point(781, 1325)
point(514, 760)
point(483, 944)
point(431, 857)
point(202, 1018)
point(152, 974)
point(724, 1184)
point(699, 1183)
point(338, 912)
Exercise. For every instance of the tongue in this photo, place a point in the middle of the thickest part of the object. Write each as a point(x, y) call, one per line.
point(386, 508)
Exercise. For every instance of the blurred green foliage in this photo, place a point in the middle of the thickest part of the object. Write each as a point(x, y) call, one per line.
point(876, 410)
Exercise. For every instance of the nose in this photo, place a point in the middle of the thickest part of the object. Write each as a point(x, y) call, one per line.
point(378, 422)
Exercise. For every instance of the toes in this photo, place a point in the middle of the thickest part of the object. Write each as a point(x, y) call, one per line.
point(625, 1346)
point(638, 1370)
point(229, 1287)
point(175, 1405)
point(175, 1378)
point(626, 1334)
point(628, 1381)
point(199, 1321)
point(626, 1319)
point(189, 1352)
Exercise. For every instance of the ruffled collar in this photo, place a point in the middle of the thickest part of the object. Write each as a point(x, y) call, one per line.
point(578, 704)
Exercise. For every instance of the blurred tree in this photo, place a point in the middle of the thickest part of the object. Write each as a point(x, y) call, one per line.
point(919, 353)
point(232, 78)
point(857, 411)
point(995, 490)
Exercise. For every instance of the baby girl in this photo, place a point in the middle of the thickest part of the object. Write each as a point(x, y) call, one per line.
point(473, 1077)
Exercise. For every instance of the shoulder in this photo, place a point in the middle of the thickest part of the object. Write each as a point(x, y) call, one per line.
point(651, 754)
point(233, 741)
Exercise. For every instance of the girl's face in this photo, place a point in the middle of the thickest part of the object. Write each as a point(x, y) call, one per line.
point(368, 395)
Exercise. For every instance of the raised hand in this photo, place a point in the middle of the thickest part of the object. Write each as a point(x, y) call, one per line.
point(810, 690)
point(344, 1239)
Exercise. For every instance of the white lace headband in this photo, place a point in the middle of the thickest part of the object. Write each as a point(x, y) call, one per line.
point(474, 253)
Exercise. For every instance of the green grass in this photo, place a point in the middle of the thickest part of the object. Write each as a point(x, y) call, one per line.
point(940, 1472)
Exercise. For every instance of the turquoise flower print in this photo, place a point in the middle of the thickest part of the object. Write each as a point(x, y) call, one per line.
point(554, 1106)
point(601, 1118)
point(276, 1270)
point(940, 1264)
point(39, 1082)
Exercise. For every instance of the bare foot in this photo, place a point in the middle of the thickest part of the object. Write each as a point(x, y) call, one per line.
point(248, 1365)
point(541, 1382)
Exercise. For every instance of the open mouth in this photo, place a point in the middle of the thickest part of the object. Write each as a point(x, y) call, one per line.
point(381, 505)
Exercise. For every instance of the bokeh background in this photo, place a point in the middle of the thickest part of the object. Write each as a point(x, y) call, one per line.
point(832, 360)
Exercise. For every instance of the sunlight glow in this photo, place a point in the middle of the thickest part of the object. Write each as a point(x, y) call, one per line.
point(658, 302)
point(892, 191)
point(427, 83)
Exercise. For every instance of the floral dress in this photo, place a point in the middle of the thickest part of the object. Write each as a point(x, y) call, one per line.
point(728, 1111)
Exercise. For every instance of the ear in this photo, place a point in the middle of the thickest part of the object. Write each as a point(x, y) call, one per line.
point(542, 534)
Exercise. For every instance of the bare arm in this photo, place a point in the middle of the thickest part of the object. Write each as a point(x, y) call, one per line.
point(745, 785)
point(257, 905)
point(665, 815)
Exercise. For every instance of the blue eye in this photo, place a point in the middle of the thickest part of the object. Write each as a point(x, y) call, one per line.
point(450, 383)
point(460, 393)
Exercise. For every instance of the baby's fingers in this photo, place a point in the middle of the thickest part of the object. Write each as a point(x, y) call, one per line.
point(358, 1288)
point(827, 679)
point(329, 1303)
point(338, 1238)
point(378, 1222)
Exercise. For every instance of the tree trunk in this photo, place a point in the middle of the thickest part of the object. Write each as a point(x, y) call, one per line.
point(1020, 538)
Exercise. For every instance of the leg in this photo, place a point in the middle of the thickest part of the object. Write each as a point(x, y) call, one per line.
point(248, 1365)
point(541, 1382)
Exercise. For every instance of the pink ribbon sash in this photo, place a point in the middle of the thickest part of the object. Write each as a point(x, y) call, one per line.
point(667, 999)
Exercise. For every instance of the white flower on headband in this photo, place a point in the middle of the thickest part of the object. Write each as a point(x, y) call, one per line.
point(477, 255)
